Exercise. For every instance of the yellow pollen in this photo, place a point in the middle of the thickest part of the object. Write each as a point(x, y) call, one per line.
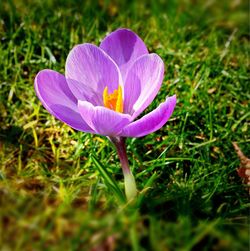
point(114, 100)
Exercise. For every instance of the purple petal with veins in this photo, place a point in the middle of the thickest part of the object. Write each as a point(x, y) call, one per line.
point(124, 47)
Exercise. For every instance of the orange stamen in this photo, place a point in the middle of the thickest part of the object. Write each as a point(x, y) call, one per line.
point(114, 100)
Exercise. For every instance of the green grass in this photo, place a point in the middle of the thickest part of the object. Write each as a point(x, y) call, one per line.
point(52, 195)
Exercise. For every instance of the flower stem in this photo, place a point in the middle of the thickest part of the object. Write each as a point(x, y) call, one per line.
point(129, 180)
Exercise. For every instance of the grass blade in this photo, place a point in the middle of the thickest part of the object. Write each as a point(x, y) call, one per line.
point(108, 179)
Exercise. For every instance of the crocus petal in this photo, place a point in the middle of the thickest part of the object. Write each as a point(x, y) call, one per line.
point(85, 92)
point(52, 90)
point(103, 120)
point(89, 65)
point(152, 121)
point(124, 46)
point(145, 75)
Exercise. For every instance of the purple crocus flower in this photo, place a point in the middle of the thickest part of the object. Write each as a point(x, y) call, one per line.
point(106, 88)
point(99, 80)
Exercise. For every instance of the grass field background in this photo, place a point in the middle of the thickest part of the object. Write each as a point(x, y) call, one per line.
point(52, 194)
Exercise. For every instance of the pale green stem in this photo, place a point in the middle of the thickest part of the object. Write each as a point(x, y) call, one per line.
point(129, 180)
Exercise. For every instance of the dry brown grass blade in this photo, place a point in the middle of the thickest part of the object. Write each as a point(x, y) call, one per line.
point(244, 169)
point(107, 245)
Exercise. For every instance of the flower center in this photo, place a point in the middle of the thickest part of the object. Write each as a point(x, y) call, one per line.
point(113, 101)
